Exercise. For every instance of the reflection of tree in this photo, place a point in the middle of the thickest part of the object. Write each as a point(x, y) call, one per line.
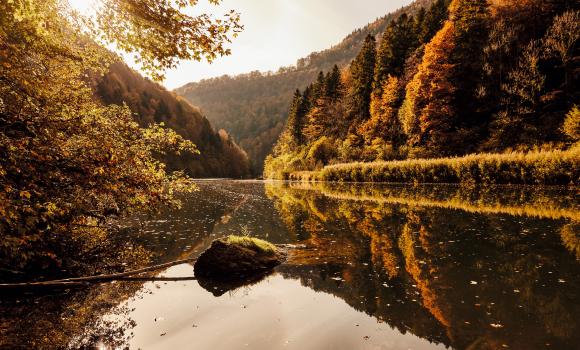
point(478, 283)
point(85, 317)
point(336, 261)
point(472, 268)
point(424, 273)
point(550, 202)
point(571, 238)
point(71, 319)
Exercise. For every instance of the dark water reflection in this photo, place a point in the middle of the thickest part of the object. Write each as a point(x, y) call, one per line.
point(380, 267)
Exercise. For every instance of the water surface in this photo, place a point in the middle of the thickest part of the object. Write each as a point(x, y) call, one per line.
point(378, 267)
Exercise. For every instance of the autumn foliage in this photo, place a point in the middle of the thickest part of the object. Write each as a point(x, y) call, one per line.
point(70, 166)
point(456, 79)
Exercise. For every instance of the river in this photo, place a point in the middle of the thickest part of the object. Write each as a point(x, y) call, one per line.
point(379, 267)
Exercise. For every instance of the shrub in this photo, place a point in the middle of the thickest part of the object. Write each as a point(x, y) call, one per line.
point(571, 125)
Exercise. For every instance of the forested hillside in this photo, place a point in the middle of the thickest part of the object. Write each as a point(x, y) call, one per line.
point(253, 107)
point(219, 155)
point(493, 76)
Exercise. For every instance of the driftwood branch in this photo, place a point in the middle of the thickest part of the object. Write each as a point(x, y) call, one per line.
point(121, 276)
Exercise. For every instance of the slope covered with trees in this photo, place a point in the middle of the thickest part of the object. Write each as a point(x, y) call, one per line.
point(219, 155)
point(487, 76)
point(253, 107)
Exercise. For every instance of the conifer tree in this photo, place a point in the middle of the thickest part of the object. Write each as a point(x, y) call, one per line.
point(318, 88)
point(333, 85)
point(471, 21)
point(385, 55)
point(362, 73)
point(296, 116)
point(419, 24)
point(397, 43)
point(434, 19)
point(307, 100)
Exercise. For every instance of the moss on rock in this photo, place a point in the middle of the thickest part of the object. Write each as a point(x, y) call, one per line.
point(237, 256)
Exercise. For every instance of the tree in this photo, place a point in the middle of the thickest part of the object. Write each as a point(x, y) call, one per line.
point(439, 113)
point(433, 21)
point(362, 72)
point(333, 85)
point(471, 21)
point(68, 165)
point(162, 111)
point(321, 151)
point(498, 55)
point(571, 125)
point(517, 121)
point(161, 32)
point(318, 88)
point(428, 115)
point(325, 119)
point(419, 23)
point(384, 123)
point(562, 40)
point(397, 43)
point(296, 118)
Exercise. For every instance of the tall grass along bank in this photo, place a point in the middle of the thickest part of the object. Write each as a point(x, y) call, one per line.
point(554, 167)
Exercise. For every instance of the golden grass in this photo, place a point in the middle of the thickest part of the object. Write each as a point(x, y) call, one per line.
point(251, 243)
point(554, 167)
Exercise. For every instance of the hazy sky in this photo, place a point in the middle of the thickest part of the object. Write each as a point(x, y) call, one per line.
point(278, 32)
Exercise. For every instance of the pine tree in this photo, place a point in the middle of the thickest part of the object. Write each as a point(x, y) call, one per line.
point(362, 72)
point(397, 43)
point(333, 85)
point(471, 21)
point(296, 118)
point(307, 101)
point(318, 88)
point(385, 56)
point(419, 23)
point(434, 19)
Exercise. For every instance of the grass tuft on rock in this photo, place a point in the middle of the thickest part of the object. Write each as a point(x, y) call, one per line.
point(252, 243)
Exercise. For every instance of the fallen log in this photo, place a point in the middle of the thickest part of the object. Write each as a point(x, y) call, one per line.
point(83, 281)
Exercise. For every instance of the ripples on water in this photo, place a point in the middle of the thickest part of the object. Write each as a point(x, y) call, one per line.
point(380, 267)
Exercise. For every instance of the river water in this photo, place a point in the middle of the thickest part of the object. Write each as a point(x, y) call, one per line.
point(378, 267)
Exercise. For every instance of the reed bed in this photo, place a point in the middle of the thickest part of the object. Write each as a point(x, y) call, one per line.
point(554, 167)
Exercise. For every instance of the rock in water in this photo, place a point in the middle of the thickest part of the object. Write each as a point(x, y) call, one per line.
point(235, 256)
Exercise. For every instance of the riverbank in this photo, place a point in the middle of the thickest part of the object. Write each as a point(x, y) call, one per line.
point(554, 167)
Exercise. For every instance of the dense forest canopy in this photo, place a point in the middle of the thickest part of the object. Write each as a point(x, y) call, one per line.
point(460, 77)
point(219, 155)
point(253, 107)
point(69, 164)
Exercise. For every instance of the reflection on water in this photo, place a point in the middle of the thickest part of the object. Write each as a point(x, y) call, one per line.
point(377, 267)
